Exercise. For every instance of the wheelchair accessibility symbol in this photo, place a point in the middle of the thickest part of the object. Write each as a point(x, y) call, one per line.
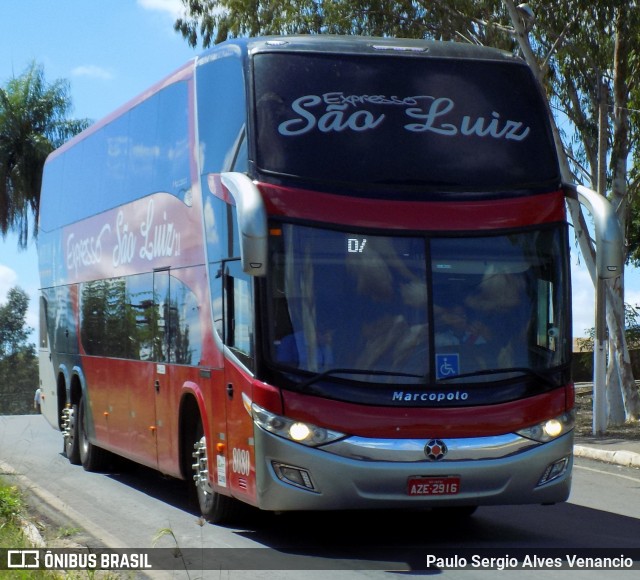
point(447, 365)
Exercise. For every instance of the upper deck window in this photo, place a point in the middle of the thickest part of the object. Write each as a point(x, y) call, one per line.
point(410, 122)
point(142, 151)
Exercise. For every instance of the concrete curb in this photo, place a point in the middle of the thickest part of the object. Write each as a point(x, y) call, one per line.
point(617, 457)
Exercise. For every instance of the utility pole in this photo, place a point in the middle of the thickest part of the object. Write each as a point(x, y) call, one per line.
point(600, 349)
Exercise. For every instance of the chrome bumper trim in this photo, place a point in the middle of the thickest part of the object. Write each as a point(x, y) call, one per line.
point(411, 450)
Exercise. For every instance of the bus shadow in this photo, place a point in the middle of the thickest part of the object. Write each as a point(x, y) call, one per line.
point(164, 488)
point(563, 525)
point(401, 540)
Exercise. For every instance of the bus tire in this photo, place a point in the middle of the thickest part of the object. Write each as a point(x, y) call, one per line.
point(92, 458)
point(71, 438)
point(214, 507)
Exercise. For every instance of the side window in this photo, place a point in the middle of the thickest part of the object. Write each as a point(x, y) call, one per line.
point(222, 110)
point(162, 309)
point(241, 162)
point(117, 317)
point(143, 151)
point(102, 318)
point(171, 165)
point(185, 343)
point(546, 333)
point(148, 317)
point(141, 315)
point(238, 312)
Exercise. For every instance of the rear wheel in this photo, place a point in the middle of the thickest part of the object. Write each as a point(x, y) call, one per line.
point(214, 507)
point(71, 439)
point(93, 458)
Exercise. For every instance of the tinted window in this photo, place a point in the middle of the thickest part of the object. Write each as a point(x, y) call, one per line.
point(417, 310)
point(144, 151)
point(222, 112)
point(149, 317)
point(238, 312)
point(57, 305)
point(444, 124)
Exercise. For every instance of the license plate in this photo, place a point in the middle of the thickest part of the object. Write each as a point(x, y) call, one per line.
point(449, 485)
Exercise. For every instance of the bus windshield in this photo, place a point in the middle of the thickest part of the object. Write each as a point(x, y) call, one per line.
point(383, 123)
point(416, 310)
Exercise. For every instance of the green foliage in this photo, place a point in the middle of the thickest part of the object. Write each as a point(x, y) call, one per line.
point(209, 22)
point(13, 332)
point(631, 332)
point(10, 504)
point(12, 511)
point(18, 359)
point(575, 58)
point(33, 122)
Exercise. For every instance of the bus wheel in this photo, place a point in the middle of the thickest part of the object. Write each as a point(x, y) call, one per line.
point(70, 432)
point(92, 458)
point(214, 507)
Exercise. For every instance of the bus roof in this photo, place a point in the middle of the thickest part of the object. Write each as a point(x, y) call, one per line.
point(328, 43)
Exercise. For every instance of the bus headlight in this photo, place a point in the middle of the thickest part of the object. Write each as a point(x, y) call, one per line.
point(298, 431)
point(551, 428)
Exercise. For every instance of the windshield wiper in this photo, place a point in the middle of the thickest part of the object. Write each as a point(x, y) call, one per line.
point(544, 376)
point(328, 372)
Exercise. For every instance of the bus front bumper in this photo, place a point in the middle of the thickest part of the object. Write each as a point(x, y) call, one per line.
point(358, 473)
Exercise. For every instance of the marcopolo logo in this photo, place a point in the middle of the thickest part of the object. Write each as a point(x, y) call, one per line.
point(435, 449)
point(432, 397)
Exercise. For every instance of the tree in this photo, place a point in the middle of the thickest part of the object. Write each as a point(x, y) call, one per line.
point(584, 69)
point(18, 360)
point(33, 122)
point(13, 332)
point(581, 67)
point(212, 21)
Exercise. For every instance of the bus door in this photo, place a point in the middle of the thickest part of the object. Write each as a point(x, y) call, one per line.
point(239, 364)
point(150, 391)
point(162, 386)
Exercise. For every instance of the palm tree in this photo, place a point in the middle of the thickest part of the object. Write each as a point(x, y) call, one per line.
point(33, 122)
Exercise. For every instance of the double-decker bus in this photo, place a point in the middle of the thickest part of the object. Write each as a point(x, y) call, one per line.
point(317, 272)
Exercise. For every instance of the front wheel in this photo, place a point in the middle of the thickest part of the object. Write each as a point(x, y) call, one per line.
point(214, 507)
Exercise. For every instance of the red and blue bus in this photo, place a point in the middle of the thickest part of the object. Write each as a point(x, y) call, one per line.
point(317, 272)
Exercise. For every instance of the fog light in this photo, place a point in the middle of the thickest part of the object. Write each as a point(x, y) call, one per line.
point(554, 471)
point(293, 475)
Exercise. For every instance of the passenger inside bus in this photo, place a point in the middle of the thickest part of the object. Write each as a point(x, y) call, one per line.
point(501, 297)
point(293, 349)
point(455, 325)
point(390, 281)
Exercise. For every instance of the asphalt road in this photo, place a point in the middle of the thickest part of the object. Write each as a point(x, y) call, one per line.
point(139, 508)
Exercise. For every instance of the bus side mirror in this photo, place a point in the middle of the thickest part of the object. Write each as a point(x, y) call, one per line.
point(609, 257)
point(252, 222)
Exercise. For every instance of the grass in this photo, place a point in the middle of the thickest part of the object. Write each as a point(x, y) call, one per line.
point(13, 512)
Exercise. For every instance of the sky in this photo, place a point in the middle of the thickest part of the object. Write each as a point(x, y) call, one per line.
point(110, 51)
